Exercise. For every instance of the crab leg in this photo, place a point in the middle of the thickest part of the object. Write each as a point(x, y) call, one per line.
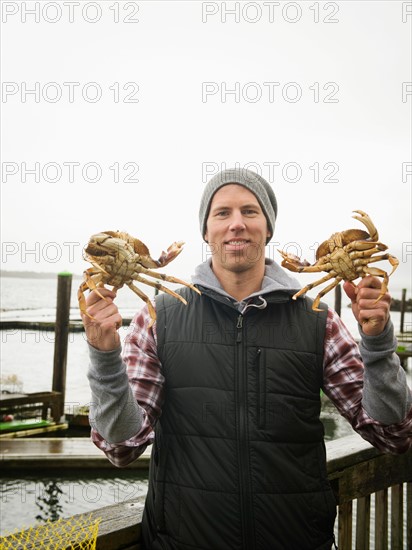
point(303, 267)
point(378, 273)
point(392, 260)
point(146, 299)
point(312, 285)
point(311, 268)
point(359, 253)
point(323, 292)
point(81, 298)
point(165, 277)
point(88, 284)
point(365, 247)
point(159, 286)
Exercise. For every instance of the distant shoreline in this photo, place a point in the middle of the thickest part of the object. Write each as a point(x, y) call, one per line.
point(395, 305)
point(34, 274)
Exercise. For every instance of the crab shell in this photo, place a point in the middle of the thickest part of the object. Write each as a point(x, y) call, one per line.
point(345, 237)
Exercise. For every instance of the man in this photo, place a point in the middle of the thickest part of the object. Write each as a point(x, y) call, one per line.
point(228, 388)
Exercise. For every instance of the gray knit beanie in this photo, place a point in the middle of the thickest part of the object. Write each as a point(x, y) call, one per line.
point(252, 181)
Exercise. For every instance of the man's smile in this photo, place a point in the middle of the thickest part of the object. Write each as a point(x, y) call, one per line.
point(235, 244)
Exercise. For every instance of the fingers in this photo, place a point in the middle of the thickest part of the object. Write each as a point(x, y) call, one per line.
point(369, 288)
point(98, 300)
point(369, 291)
point(350, 289)
point(104, 336)
point(102, 308)
point(370, 282)
point(94, 297)
point(371, 308)
point(102, 320)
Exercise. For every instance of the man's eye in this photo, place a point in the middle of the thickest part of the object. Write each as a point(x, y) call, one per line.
point(249, 212)
point(221, 213)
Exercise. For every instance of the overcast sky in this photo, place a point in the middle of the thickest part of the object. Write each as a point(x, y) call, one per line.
point(115, 114)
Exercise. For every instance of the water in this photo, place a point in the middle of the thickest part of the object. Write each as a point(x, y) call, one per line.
point(31, 499)
point(28, 355)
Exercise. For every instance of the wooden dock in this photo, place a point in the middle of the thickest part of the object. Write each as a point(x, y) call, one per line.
point(56, 453)
point(357, 472)
point(74, 325)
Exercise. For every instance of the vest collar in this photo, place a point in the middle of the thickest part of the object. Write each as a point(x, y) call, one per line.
point(256, 301)
point(275, 278)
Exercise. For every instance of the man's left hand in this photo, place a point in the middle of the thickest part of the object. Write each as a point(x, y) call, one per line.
point(371, 315)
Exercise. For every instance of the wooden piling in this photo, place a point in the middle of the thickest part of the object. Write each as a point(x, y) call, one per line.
point(64, 286)
point(403, 308)
point(338, 299)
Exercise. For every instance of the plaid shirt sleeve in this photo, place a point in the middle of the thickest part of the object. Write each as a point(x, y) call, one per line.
point(146, 381)
point(343, 384)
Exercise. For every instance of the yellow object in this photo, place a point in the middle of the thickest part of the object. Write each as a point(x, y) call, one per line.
point(72, 533)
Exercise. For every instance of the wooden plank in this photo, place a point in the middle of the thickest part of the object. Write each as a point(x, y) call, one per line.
point(45, 400)
point(368, 477)
point(345, 526)
point(397, 516)
point(119, 527)
point(48, 326)
point(348, 451)
point(59, 452)
point(381, 520)
point(7, 400)
point(34, 431)
point(363, 506)
point(355, 447)
point(409, 515)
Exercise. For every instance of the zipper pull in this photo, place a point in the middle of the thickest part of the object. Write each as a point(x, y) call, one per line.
point(239, 326)
point(257, 358)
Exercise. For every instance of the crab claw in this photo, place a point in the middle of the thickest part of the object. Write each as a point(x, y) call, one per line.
point(292, 262)
point(367, 222)
point(166, 257)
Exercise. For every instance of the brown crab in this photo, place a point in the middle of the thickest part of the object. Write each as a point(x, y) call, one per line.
point(344, 256)
point(119, 259)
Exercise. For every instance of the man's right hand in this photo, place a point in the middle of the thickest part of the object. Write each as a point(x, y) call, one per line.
point(101, 330)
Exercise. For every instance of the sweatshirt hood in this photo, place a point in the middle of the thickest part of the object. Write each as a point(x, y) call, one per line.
point(275, 280)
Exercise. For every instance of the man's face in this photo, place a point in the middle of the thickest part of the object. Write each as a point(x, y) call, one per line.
point(236, 229)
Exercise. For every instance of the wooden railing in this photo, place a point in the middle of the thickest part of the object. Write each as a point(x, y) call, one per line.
point(50, 403)
point(356, 471)
point(364, 481)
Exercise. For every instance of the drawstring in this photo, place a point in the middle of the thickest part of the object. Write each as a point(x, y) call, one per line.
point(262, 305)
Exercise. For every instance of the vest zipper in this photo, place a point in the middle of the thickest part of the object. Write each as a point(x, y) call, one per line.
point(243, 438)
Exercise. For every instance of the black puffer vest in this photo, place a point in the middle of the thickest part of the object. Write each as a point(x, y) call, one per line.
point(239, 458)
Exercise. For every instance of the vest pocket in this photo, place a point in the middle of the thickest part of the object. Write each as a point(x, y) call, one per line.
point(260, 389)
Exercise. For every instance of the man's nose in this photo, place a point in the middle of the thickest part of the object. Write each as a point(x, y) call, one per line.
point(237, 222)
